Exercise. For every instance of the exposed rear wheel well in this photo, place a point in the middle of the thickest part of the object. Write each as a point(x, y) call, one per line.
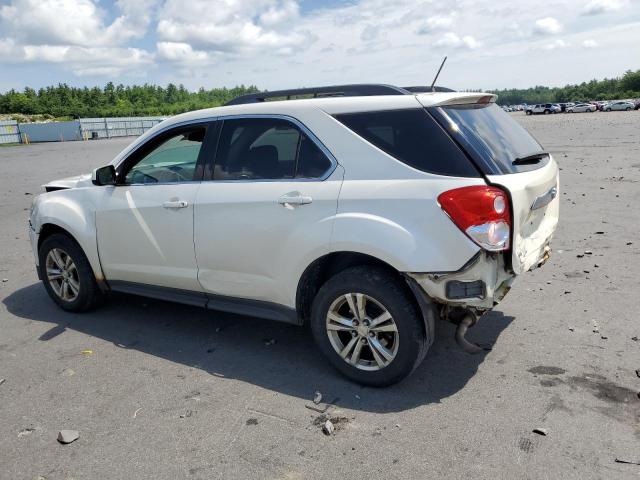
point(326, 267)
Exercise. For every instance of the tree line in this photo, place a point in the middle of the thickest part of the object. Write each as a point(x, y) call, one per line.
point(114, 100)
point(149, 100)
point(627, 86)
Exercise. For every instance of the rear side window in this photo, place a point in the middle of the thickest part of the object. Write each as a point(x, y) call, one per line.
point(412, 137)
point(267, 149)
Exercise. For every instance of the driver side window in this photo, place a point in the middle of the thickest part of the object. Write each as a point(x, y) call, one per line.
point(171, 160)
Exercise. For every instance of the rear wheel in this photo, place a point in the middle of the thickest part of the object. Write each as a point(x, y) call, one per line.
point(67, 274)
point(628, 108)
point(546, 112)
point(368, 326)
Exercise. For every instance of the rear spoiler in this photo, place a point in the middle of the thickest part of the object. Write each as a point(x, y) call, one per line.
point(455, 98)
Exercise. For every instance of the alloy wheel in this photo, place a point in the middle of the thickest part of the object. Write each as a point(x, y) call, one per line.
point(62, 274)
point(362, 331)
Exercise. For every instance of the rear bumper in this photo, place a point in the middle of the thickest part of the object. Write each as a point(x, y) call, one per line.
point(482, 283)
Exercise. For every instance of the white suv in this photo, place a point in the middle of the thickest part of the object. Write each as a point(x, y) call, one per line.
point(368, 212)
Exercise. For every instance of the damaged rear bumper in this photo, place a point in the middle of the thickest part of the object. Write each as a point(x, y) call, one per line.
point(480, 284)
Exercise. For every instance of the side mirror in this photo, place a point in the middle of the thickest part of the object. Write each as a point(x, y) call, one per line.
point(104, 175)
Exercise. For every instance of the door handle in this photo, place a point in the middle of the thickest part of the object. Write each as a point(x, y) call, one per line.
point(175, 204)
point(295, 198)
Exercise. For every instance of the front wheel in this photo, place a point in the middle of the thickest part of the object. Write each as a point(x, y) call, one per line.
point(546, 112)
point(67, 274)
point(628, 108)
point(368, 325)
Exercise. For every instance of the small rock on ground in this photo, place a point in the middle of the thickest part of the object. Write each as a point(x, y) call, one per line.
point(328, 428)
point(68, 436)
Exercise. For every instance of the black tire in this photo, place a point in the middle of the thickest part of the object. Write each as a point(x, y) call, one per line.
point(628, 108)
point(395, 296)
point(528, 112)
point(547, 112)
point(89, 294)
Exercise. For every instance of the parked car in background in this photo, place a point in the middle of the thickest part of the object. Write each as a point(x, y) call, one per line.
point(637, 105)
point(544, 108)
point(367, 215)
point(619, 105)
point(581, 107)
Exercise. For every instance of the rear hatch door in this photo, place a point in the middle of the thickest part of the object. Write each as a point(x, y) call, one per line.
point(509, 157)
point(535, 203)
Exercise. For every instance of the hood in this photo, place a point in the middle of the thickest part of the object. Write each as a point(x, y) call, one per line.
point(69, 182)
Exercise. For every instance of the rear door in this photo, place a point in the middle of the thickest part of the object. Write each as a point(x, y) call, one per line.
point(268, 210)
point(511, 158)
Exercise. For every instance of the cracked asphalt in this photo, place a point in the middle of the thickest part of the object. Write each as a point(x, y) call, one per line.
point(171, 391)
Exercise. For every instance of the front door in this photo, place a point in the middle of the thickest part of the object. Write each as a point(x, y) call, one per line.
point(145, 223)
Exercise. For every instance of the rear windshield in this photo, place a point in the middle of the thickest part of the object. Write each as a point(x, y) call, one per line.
point(492, 137)
point(412, 137)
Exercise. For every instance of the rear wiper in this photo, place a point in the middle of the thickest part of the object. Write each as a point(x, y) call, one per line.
point(530, 159)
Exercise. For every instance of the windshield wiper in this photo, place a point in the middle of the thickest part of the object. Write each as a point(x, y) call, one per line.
point(530, 159)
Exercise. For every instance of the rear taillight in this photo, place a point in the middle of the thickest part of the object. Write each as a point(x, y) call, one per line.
point(482, 212)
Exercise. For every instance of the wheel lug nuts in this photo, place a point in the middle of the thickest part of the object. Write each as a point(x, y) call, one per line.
point(364, 340)
point(371, 334)
point(353, 334)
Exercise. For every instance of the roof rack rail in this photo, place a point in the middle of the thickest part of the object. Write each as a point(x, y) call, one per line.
point(427, 89)
point(356, 90)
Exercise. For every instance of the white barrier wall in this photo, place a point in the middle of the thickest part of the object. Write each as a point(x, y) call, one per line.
point(9, 131)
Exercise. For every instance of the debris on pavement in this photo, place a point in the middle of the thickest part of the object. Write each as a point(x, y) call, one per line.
point(637, 373)
point(317, 398)
point(5, 280)
point(252, 421)
point(187, 414)
point(135, 414)
point(87, 352)
point(68, 436)
point(26, 431)
point(540, 431)
point(630, 462)
point(328, 428)
point(2, 380)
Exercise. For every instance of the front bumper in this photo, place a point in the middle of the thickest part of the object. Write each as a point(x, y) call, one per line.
point(33, 239)
point(481, 284)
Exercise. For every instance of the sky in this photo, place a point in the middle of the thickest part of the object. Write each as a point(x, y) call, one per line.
point(276, 44)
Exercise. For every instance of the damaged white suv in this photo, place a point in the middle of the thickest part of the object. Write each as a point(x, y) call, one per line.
point(367, 211)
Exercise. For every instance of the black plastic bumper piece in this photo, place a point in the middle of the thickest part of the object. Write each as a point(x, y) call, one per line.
point(456, 290)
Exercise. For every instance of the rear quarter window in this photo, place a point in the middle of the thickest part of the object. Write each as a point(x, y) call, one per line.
point(412, 137)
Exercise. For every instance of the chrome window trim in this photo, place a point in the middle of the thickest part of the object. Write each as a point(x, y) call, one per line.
point(304, 129)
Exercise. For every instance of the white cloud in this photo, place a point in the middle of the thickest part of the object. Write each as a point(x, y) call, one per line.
point(89, 60)
point(74, 22)
point(291, 43)
point(556, 44)
point(589, 43)
point(450, 39)
point(547, 25)
point(180, 52)
point(437, 22)
point(596, 7)
point(233, 27)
